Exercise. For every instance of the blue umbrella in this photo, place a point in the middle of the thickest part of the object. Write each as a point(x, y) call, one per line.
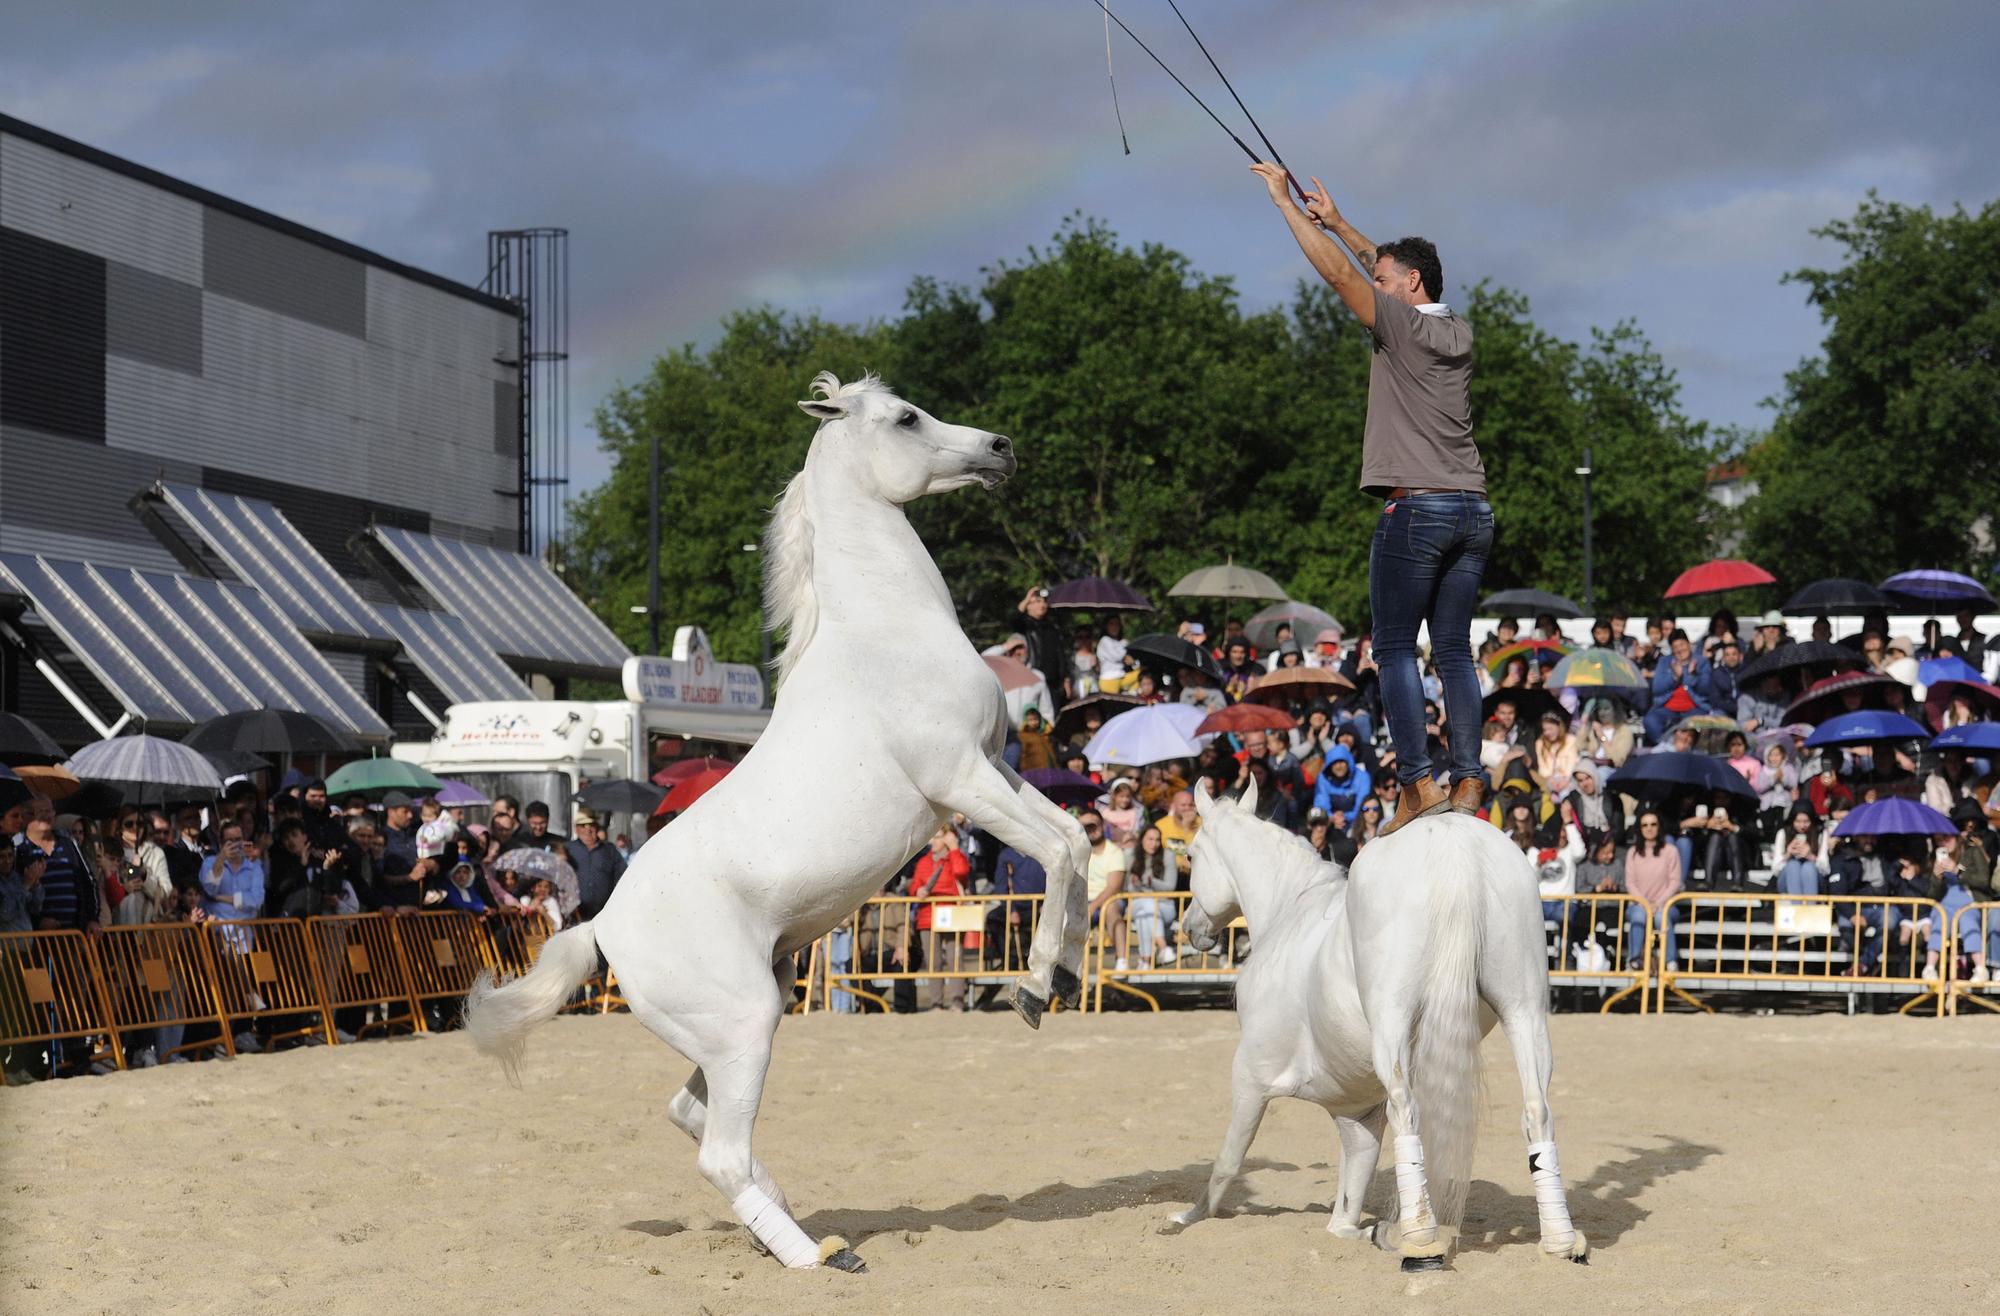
point(1932, 670)
point(1664, 771)
point(1152, 733)
point(1972, 736)
point(1895, 817)
point(1865, 726)
point(1061, 786)
point(1937, 587)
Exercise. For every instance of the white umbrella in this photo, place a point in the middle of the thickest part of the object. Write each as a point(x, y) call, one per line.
point(1305, 620)
point(147, 767)
point(1153, 733)
point(1227, 581)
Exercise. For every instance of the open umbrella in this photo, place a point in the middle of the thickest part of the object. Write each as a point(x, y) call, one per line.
point(49, 780)
point(1013, 673)
point(1305, 620)
point(682, 769)
point(1805, 655)
point(1837, 597)
point(149, 769)
point(457, 795)
point(531, 863)
point(1075, 715)
point(1604, 670)
point(620, 796)
point(21, 741)
point(1097, 594)
point(1922, 587)
point(377, 777)
point(1171, 651)
point(1529, 603)
point(1149, 734)
point(1291, 685)
point(1246, 717)
point(1652, 776)
point(1931, 671)
point(682, 795)
point(1227, 581)
point(269, 731)
point(1865, 727)
point(1715, 577)
point(1061, 786)
point(237, 762)
point(1984, 698)
point(1546, 652)
point(1974, 737)
point(1530, 702)
point(13, 791)
point(1825, 697)
point(1895, 817)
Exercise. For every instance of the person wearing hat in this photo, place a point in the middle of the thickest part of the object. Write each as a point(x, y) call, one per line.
point(1769, 636)
point(399, 832)
point(597, 862)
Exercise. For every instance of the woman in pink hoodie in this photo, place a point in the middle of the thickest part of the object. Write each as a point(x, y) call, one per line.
point(1652, 877)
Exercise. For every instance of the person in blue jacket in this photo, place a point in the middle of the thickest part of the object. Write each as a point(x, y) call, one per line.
point(1680, 669)
point(1343, 783)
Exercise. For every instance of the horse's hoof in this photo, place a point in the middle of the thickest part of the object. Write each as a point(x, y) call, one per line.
point(1422, 1265)
point(1578, 1251)
point(848, 1260)
point(1068, 987)
point(1029, 1006)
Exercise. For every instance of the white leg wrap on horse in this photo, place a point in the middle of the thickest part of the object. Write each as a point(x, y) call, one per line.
point(1550, 1201)
point(775, 1229)
point(1412, 1197)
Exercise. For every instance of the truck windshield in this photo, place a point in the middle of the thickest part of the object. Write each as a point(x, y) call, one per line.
point(551, 788)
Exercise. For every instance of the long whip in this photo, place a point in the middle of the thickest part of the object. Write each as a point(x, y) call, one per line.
point(1202, 46)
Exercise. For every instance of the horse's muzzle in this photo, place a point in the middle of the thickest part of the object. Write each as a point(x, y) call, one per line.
point(1198, 928)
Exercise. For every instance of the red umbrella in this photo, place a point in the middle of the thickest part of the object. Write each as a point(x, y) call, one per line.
point(1714, 577)
point(681, 769)
point(1937, 700)
point(1822, 699)
point(1246, 717)
point(691, 788)
point(1013, 674)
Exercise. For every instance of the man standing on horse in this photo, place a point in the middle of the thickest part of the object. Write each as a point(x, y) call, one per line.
point(1418, 456)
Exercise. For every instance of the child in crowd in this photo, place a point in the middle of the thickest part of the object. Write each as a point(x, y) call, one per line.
point(459, 893)
point(437, 831)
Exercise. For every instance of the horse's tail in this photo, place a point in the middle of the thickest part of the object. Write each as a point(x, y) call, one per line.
point(498, 1017)
point(1445, 1064)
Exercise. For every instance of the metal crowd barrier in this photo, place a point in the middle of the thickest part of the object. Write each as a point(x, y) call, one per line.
point(973, 941)
point(1157, 954)
point(443, 951)
point(1591, 944)
point(52, 991)
point(1985, 917)
point(1762, 942)
point(361, 965)
point(158, 976)
point(263, 970)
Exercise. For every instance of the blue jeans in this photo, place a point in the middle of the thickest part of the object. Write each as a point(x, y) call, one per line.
point(1955, 899)
point(1424, 566)
point(1666, 919)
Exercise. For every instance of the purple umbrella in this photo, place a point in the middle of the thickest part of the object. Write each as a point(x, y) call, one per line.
point(1062, 786)
point(1895, 817)
point(1096, 594)
point(1866, 726)
point(1937, 587)
point(457, 794)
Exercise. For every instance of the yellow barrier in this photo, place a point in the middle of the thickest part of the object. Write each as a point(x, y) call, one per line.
point(52, 990)
point(1984, 993)
point(444, 951)
point(263, 970)
point(157, 975)
point(514, 942)
point(1156, 952)
point(972, 941)
point(1591, 944)
point(359, 964)
point(1758, 942)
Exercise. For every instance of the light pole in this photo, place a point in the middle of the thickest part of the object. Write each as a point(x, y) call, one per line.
point(1589, 600)
point(653, 563)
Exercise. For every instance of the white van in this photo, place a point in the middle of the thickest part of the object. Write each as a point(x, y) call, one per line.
point(674, 708)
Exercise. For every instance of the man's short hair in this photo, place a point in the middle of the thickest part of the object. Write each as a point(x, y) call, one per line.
point(536, 809)
point(1417, 254)
point(1676, 634)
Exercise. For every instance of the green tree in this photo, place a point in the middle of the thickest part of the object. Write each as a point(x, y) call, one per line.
point(1885, 453)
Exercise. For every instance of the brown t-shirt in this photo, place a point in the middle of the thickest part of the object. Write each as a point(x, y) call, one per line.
point(1419, 433)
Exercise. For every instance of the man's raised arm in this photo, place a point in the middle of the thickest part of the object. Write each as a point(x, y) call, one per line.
point(1320, 206)
point(1326, 257)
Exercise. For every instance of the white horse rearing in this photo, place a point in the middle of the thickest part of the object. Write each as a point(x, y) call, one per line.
point(888, 721)
point(1368, 994)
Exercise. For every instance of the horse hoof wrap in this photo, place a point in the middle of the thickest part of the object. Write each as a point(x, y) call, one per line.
point(1068, 987)
point(846, 1259)
point(1578, 1251)
point(1422, 1265)
point(1029, 1006)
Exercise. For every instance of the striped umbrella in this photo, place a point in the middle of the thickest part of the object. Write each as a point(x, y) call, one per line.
point(148, 768)
point(1598, 669)
point(1546, 652)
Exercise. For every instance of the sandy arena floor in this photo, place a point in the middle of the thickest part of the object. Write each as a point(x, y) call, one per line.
point(1717, 1164)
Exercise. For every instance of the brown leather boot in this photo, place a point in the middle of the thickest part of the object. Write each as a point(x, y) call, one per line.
point(1468, 795)
point(1423, 796)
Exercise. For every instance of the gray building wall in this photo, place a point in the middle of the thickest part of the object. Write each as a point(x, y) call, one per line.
point(146, 332)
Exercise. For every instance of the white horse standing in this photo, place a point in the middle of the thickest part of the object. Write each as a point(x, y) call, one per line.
point(889, 721)
point(1368, 994)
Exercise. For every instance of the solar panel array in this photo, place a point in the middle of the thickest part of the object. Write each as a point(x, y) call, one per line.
point(460, 664)
point(177, 649)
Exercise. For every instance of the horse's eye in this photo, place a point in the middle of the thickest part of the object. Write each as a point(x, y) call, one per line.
point(908, 420)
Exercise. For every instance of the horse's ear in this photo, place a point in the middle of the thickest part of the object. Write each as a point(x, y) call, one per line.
point(1204, 796)
point(1247, 801)
point(820, 410)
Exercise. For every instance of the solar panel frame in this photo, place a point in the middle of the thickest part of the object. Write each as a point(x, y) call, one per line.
point(456, 660)
point(116, 619)
point(122, 672)
point(313, 686)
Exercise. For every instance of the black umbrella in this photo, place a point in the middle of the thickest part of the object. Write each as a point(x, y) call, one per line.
point(235, 762)
point(1530, 602)
point(1650, 776)
point(269, 731)
point(1172, 651)
point(1792, 657)
point(97, 799)
point(621, 796)
point(1074, 715)
point(1838, 597)
point(1529, 701)
point(21, 741)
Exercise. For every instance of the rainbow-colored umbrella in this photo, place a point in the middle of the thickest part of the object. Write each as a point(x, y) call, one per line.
point(1597, 669)
point(1545, 652)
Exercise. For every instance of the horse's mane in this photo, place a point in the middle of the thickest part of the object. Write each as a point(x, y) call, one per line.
point(1291, 854)
point(789, 603)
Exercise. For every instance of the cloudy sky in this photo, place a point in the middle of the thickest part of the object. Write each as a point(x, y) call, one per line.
point(1661, 160)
